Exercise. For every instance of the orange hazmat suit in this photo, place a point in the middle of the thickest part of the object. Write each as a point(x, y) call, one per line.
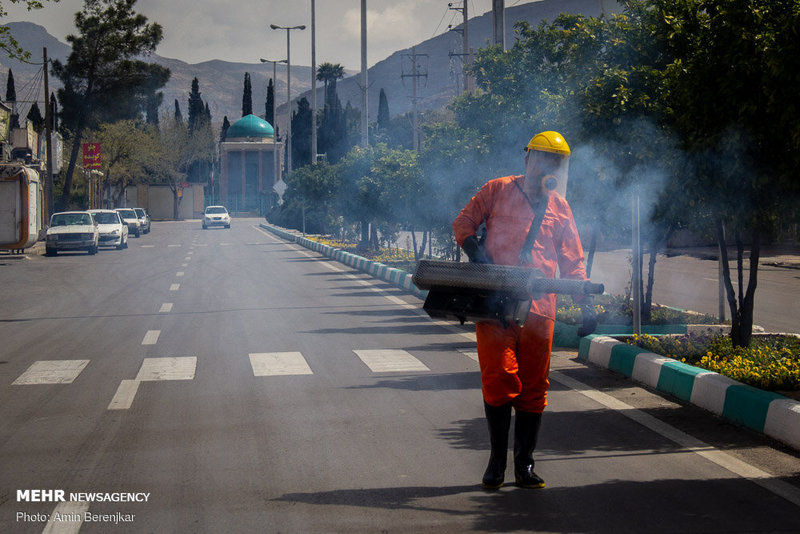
point(515, 361)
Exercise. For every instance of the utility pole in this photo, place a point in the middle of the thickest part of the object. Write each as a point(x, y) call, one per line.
point(364, 99)
point(414, 75)
point(465, 52)
point(313, 84)
point(288, 91)
point(48, 129)
point(499, 23)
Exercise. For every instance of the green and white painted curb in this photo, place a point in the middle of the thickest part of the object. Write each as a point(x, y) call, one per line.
point(769, 413)
point(395, 277)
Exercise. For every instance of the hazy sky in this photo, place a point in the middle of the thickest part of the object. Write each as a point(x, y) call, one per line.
point(201, 30)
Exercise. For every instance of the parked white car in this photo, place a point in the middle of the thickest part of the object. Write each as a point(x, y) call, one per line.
point(216, 216)
point(72, 230)
point(144, 220)
point(131, 219)
point(113, 232)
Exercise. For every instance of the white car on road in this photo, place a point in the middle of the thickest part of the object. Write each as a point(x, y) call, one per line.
point(113, 232)
point(216, 216)
point(72, 230)
point(130, 218)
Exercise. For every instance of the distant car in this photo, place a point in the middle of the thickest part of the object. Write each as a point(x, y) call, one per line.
point(113, 232)
point(216, 216)
point(144, 220)
point(72, 230)
point(131, 219)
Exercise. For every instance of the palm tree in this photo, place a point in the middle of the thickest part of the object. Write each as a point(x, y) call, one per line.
point(328, 73)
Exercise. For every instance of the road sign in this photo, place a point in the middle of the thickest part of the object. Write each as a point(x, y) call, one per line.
point(91, 155)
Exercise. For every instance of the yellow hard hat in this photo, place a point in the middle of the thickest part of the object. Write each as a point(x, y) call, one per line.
point(549, 142)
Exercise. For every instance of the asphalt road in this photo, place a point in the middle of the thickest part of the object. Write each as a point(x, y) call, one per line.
point(692, 283)
point(249, 385)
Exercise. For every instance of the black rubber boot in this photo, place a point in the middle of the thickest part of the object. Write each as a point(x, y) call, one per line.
point(499, 419)
point(526, 432)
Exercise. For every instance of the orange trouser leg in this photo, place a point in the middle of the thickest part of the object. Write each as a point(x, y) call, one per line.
point(515, 362)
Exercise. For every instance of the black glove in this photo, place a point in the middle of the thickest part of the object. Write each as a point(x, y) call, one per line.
point(475, 251)
point(589, 320)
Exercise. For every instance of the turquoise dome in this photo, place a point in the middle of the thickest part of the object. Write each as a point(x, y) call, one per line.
point(250, 126)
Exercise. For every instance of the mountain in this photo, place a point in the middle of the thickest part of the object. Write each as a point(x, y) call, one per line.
point(221, 82)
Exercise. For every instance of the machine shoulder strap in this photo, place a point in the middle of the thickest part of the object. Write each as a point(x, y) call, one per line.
point(539, 208)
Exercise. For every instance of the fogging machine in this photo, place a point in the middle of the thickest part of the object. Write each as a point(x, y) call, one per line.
point(481, 292)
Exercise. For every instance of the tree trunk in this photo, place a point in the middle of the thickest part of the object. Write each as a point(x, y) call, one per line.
point(741, 311)
point(592, 249)
point(414, 244)
point(66, 194)
point(424, 244)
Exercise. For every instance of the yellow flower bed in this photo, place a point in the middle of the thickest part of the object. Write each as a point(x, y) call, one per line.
point(771, 363)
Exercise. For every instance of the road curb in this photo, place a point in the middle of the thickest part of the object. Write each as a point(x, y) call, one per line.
point(769, 413)
point(396, 277)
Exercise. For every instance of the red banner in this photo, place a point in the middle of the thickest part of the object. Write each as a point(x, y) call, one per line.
point(91, 155)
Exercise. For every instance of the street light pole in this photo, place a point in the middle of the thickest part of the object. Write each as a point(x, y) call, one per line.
point(313, 84)
point(288, 90)
point(274, 116)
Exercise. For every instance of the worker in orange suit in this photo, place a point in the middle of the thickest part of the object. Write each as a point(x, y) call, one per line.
point(514, 360)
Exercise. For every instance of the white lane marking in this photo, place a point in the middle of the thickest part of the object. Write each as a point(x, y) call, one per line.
point(67, 518)
point(390, 361)
point(187, 258)
point(165, 308)
point(51, 372)
point(174, 246)
point(202, 244)
point(151, 337)
point(190, 253)
point(279, 364)
point(123, 398)
point(184, 264)
point(179, 273)
point(690, 443)
point(182, 368)
point(470, 353)
point(174, 287)
point(147, 246)
point(225, 244)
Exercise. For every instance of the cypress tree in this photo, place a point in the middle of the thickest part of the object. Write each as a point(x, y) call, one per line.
point(178, 115)
point(223, 133)
point(196, 108)
point(383, 111)
point(35, 117)
point(11, 91)
point(268, 116)
point(247, 96)
point(53, 112)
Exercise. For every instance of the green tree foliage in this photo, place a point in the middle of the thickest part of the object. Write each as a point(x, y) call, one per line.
point(11, 90)
point(7, 41)
point(196, 107)
point(383, 111)
point(328, 74)
point(247, 96)
point(301, 134)
point(35, 118)
point(127, 146)
point(103, 81)
point(224, 130)
point(177, 116)
point(270, 104)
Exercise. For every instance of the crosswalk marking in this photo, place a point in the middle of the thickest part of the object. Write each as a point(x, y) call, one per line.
point(151, 337)
point(390, 361)
point(182, 368)
point(123, 398)
point(165, 308)
point(279, 364)
point(470, 353)
point(174, 287)
point(51, 372)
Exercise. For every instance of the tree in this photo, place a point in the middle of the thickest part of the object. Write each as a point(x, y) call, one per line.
point(224, 130)
point(247, 96)
point(127, 145)
point(11, 91)
point(269, 104)
point(101, 77)
point(35, 118)
point(301, 134)
point(196, 107)
point(383, 111)
point(7, 41)
point(328, 73)
point(177, 116)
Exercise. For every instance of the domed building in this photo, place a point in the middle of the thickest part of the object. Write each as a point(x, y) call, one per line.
point(251, 166)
